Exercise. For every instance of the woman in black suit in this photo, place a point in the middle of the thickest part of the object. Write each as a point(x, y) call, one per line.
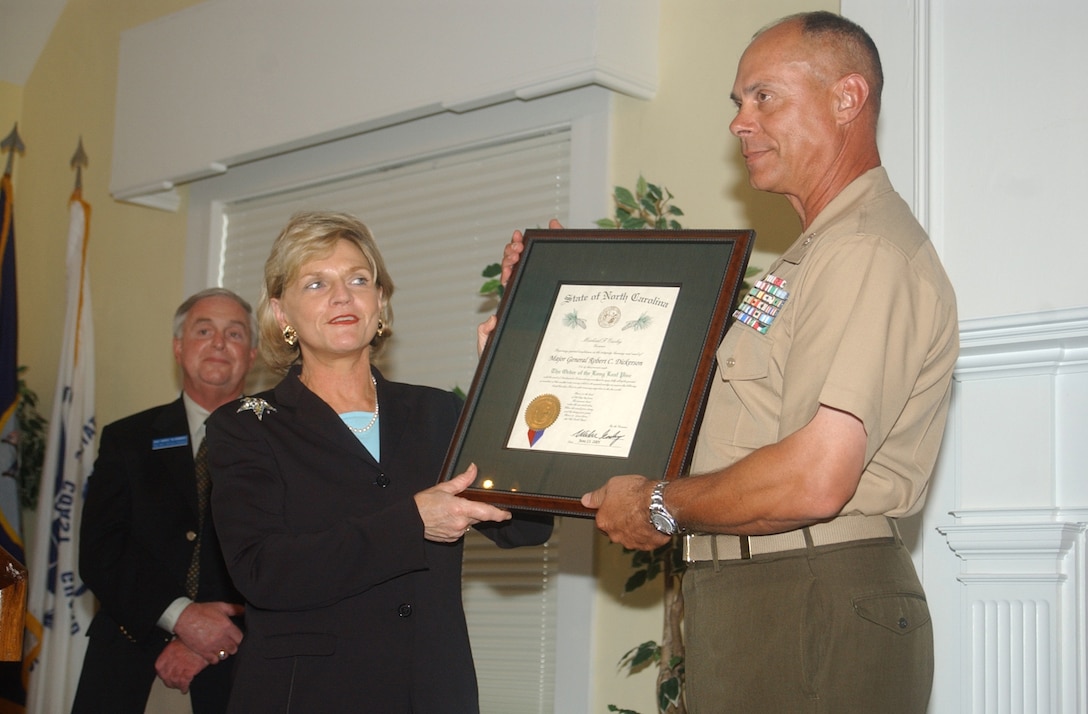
point(323, 496)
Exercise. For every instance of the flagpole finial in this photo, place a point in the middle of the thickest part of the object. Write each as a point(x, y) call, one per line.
point(12, 143)
point(79, 160)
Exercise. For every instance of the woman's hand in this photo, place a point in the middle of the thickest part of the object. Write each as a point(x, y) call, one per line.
point(483, 332)
point(511, 254)
point(446, 516)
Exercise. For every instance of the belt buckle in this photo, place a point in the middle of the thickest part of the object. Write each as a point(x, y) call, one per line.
point(745, 547)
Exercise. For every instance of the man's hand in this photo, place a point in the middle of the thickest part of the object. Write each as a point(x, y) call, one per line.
point(177, 665)
point(623, 512)
point(205, 628)
point(511, 254)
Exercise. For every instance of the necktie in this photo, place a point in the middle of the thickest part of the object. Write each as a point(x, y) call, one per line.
point(203, 487)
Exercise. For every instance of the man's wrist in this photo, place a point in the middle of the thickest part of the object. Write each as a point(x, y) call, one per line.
point(168, 620)
point(660, 517)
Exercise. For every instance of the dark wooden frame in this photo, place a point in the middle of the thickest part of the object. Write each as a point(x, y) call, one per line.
point(707, 265)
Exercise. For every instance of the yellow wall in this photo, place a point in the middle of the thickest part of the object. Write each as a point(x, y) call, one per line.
point(679, 139)
point(135, 254)
point(11, 105)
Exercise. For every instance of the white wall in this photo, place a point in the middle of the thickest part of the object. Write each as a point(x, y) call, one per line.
point(983, 131)
point(229, 81)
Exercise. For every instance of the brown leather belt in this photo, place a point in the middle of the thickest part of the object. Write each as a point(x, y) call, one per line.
point(843, 529)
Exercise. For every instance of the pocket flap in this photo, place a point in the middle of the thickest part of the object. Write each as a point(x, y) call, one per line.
point(744, 354)
point(902, 613)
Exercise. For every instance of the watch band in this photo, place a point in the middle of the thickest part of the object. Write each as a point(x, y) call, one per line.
point(660, 518)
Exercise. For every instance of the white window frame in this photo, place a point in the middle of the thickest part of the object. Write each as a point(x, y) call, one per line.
point(587, 113)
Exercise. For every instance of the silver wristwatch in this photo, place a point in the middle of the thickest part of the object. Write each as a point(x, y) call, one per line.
point(660, 517)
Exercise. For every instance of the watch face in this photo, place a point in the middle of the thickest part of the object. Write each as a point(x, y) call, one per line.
point(663, 523)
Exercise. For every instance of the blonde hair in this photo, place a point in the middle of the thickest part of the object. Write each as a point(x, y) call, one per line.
point(309, 236)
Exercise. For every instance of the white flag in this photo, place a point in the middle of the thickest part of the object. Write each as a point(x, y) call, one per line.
point(59, 606)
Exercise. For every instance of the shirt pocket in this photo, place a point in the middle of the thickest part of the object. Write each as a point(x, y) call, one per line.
point(744, 355)
point(743, 411)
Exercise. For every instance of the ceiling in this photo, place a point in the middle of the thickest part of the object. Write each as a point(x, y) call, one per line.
point(24, 29)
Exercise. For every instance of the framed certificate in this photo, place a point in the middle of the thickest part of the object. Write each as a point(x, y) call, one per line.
point(600, 364)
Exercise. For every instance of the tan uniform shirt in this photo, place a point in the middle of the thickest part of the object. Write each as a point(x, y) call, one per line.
point(857, 315)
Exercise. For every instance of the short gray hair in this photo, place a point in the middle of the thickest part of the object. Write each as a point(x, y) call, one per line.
point(183, 310)
point(852, 47)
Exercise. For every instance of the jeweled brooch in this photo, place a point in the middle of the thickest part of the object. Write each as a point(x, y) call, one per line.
point(256, 405)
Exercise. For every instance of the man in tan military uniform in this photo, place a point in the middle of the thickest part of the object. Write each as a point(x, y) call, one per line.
point(825, 419)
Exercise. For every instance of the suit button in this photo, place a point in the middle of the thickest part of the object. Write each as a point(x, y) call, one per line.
point(405, 610)
point(190, 536)
point(382, 480)
point(730, 362)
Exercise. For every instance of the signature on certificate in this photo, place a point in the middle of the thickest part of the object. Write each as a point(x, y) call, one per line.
point(612, 437)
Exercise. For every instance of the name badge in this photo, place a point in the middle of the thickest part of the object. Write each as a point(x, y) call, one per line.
point(170, 442)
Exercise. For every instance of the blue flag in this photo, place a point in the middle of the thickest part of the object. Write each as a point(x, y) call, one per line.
point(12, 686)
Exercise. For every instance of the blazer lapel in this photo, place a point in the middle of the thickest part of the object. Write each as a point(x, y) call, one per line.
point(176, 462)
point(317, 417)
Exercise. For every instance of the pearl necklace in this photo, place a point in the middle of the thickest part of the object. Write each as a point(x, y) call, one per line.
point(373, 419)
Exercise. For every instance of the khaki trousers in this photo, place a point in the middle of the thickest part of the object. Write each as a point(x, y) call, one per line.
point(836, 629)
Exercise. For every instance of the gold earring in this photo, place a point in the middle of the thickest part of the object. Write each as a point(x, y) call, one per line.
point(381, 327)
point(290, 335)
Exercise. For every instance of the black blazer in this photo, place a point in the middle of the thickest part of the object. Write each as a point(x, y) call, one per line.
point(136, 540)
point(348, 607)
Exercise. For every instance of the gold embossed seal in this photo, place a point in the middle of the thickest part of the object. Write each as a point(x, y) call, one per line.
point(542, 411)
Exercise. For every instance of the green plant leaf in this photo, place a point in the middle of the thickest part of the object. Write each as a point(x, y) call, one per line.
point(639, 656)
point(606, 223)
point(625, 199)
point(668, 694)
point(492, 270)
point(490, 287)
point(636, 581)
point(649, 206)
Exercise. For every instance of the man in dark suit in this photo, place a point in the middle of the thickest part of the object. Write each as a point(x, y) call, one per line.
point(167, 608)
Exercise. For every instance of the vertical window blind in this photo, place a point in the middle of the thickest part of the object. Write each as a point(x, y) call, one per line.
point(438, 221)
